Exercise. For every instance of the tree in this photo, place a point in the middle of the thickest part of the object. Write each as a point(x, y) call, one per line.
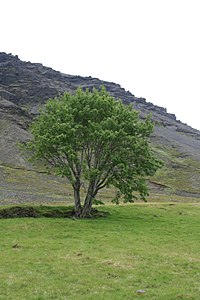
point(92, 139)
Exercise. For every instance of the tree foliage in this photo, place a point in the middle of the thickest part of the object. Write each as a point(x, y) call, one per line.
point(95, 141)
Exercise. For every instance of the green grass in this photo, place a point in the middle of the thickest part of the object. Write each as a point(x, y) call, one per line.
point(153, 247)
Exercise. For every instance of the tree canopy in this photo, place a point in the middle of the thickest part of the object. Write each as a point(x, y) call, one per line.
point(95, 141)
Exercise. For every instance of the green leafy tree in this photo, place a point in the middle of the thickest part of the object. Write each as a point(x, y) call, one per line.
point(95, 141)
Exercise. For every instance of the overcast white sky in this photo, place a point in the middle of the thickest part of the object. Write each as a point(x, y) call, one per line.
point(149, 47)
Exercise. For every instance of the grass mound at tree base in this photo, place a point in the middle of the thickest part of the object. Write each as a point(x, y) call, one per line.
point(45, 211)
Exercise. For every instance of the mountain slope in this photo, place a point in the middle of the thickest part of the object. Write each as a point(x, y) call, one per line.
point(24, 88)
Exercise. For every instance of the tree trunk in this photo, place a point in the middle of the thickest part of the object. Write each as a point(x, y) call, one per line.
point(87, 207)
point(77, 201)
point(91, 193)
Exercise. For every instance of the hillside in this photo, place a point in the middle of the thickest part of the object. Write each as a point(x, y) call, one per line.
point(24, 88)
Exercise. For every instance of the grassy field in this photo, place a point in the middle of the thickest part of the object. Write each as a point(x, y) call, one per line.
point(150, 247)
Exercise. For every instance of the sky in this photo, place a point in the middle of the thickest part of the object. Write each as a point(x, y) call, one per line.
point(149, 47)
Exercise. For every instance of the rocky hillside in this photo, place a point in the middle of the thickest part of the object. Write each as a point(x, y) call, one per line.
point(24, 88)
